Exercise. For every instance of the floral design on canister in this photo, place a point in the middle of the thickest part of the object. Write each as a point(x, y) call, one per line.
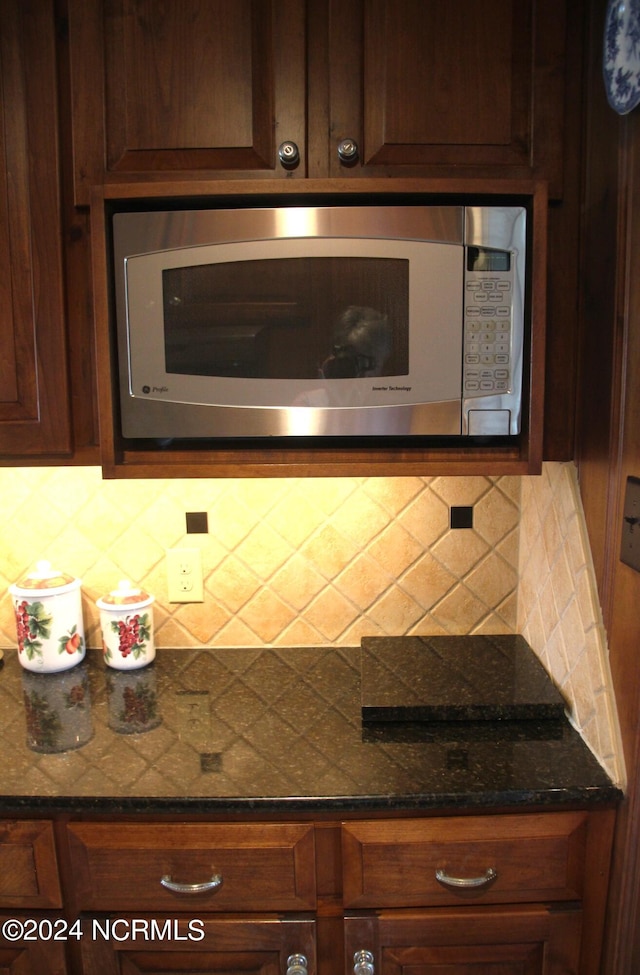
point(49, 626)
point(126, 621)
point(134, 633)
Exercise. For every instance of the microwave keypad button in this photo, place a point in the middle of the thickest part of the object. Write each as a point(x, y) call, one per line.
point(503, 285)
point(486, 385)
point(502, 348)
point(472, 385)
point(488, 285)
point(472, 359)
point(501, 373)
point(487, 360)
point(502, 359)
point(472, 312)
point(503, 312)
point(487, 311)
point(479, 296)
point(501, 386)
point(496, 297)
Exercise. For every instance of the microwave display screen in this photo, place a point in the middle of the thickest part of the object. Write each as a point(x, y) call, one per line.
point(486, 259)
point(295, 318)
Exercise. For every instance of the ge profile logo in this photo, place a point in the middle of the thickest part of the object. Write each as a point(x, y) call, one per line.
point(146, 390)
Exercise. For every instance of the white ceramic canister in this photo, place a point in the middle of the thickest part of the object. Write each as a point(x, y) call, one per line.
point(49, 625)
point(126, 619)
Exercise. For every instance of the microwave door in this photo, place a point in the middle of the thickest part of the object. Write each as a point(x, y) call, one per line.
point(314, 337)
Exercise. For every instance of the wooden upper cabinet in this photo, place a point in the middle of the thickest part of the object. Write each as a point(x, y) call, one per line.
point(34, 405)
point(214, 89)
point(185, 88)
point(448, 88)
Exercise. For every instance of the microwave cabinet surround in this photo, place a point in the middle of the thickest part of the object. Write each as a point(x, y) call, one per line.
point(321, 321)
point(323, 332)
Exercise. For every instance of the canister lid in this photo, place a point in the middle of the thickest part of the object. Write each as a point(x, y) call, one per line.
point(44, 579)
point(125, 596)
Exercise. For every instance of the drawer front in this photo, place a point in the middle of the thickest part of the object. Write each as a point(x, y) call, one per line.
point(493, 859)
point(28, 865)
point(215, 867)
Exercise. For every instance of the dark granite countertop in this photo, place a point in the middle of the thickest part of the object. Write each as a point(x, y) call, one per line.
point(240, 730)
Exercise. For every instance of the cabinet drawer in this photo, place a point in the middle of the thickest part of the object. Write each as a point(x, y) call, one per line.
point(247, 867)
point(396, 863)
point(28, 866)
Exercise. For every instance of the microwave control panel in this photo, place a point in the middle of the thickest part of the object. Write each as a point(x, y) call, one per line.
point(488, 315)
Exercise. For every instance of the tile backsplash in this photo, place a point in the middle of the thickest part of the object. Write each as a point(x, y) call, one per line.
point(324, 561)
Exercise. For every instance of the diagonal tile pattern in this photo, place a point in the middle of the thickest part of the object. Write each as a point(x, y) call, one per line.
point(286, 562)
point(325, 561)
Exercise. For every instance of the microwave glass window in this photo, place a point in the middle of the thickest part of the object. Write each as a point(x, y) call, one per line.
point(288, 318)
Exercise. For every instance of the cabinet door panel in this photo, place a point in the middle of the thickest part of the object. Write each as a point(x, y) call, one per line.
point(32, 958)
point(34, 411)
point(28, 865)
point(443, 85)
point(474, 941)
point(233, 946)
point(189, 87)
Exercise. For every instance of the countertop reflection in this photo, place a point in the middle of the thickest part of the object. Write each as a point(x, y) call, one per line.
point(271, 730)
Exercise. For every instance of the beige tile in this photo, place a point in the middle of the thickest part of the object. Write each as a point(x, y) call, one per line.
point(459, 550)
point(459, 612)
point(427, 581)
point(395, 549)
point(363, 581)
point(395, 612)
point(267, 615)
point(298, 582)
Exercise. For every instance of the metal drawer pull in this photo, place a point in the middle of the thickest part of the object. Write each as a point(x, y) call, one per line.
point(297, 965)
point(176, 888)
point(363, 963)
point(466, 883)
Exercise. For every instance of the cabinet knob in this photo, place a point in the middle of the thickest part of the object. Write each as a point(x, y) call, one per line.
point(297, 965)
point(363, 963)
point(288, 153)
point(207, 885)
point(348, 150)
point(466, 883)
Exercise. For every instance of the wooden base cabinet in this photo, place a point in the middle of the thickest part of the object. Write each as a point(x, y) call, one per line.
point(476, 895)
point(209, 946)
point(528, 940)
point(214, 898)
point(31, 900)
point(495, 894)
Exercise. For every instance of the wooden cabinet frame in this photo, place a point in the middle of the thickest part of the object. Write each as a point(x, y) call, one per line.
point(123, 459)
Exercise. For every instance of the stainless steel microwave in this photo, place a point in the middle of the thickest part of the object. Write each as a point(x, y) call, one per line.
point(321, 321)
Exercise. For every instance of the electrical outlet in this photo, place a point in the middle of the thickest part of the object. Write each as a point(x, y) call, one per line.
point(184, 575)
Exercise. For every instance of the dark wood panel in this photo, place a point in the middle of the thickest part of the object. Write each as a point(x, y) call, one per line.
point(34, 414)
point(160, 88)
point(425, 88)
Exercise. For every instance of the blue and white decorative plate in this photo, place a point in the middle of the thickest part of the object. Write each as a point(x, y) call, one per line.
point(621, 59)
